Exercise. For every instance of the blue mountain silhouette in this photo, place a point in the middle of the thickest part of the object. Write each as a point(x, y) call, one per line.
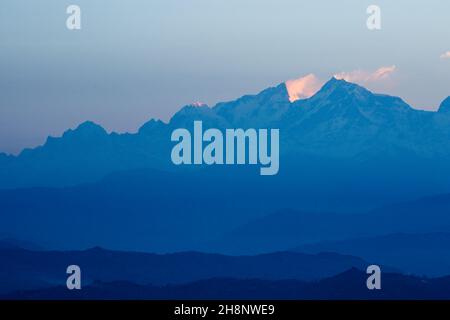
point(342, 122)
point(445, 105)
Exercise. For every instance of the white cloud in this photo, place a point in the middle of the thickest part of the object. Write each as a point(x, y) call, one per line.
point(445, 55)
point(364, 77)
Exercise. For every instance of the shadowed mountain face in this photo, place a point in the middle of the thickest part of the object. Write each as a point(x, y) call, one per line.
point(26, 270)
point(347, 285)
point(262, 110)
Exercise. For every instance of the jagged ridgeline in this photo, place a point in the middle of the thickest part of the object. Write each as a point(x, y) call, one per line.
point(344, 149)
point(342, 124)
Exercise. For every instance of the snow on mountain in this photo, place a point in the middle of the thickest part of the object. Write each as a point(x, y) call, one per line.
point(342, 120)
point(303, 87)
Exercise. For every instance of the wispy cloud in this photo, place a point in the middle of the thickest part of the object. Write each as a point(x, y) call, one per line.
point(445, 55)
point(364, 77)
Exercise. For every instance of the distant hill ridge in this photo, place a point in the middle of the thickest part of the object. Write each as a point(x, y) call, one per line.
point(26, 270)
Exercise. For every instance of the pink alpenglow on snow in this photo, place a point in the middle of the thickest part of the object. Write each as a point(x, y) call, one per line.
point(303, 88)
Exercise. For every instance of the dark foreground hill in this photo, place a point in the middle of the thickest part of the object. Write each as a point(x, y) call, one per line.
point(421, 254)
point(26, 270)
point(347, 285)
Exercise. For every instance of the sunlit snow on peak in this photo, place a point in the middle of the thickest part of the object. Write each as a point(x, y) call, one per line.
point(303, 88)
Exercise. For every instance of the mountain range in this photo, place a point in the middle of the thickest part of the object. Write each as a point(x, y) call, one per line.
point(344, 152)
point(343, 123)
point(363, 179)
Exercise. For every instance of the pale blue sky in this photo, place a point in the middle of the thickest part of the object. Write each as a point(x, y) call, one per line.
point(134, 60)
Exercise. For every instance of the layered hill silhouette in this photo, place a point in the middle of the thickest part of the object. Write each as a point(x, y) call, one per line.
point(420, 254)
point(162, 212)
point(144, 210)
point(342, 122)
point(286, 229)
point(27, 270)
point(344, 151)
point(350, 284)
